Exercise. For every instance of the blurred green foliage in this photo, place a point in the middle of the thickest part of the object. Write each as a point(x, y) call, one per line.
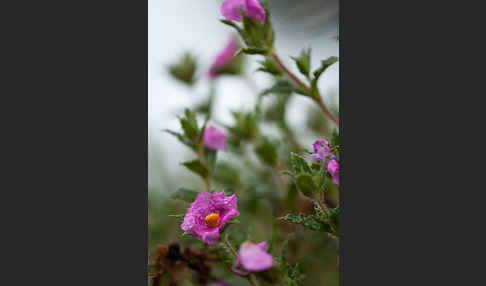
point(283, 198)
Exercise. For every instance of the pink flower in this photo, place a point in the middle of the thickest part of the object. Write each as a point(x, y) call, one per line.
point(214, 138)
point(231, 10)
point(333, 169)
point(208, 214)
point(253, 258)
point(219, 283)
point(322, 149)
point(224, 58)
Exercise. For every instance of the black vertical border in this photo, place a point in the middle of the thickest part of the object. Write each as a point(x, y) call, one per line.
point(76, 203)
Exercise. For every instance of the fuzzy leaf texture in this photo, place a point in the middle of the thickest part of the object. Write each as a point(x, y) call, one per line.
point(298, 164)
point(293, 277)
point(312, 222)
point(308, 221)
point(306, 185)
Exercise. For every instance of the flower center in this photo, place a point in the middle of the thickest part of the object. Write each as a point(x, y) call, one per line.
point(212, 219)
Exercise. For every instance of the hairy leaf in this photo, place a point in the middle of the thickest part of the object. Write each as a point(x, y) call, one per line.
point(308, 221)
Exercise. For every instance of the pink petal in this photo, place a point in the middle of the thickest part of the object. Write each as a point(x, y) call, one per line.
point(253, 258)
point(263, 246)
point(333, 169)
point(204, 204)
point(214, 138)
point(254, 10)
point(231, 9)
point(224, 57)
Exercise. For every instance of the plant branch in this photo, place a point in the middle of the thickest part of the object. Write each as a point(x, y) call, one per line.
point(289, 74)
point(300, 84)
point(326, 111)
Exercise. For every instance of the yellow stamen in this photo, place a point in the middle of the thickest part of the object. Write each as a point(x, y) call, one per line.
point(212, 219)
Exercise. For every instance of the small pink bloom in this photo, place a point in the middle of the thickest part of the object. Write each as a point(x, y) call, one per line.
point(322, 149)
point(224, 58)
point(219, 283)
point(208, 214)
point(231, 10)
point(214, 138)
point(253, 258)
point(333, 169)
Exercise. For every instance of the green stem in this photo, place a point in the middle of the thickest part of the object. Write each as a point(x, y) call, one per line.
point(230, 247)
point(300, 84)
point(289, 74)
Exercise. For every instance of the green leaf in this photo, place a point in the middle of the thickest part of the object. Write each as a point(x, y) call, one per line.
point(268, 29)
point(308, 221)
point(228, 192)
point(293, 277)
point(335, 138)
point(184, 69)
point(183, 139)
point(245, 128)
point(253, 33)
point(189, 125)
point(335, 142)
point(226, 174)
point(197, 167)
point(231, 24)
point(281, 86)
point(317, 74)
point(287, 172)
point(270, 66)
point(303, 62)
point(254, 51)
point(276, 111)
point(266, 151)
point(324, 65)
point(298, 164)
point(334, 217)
point(306, 185)
point(185, 195)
